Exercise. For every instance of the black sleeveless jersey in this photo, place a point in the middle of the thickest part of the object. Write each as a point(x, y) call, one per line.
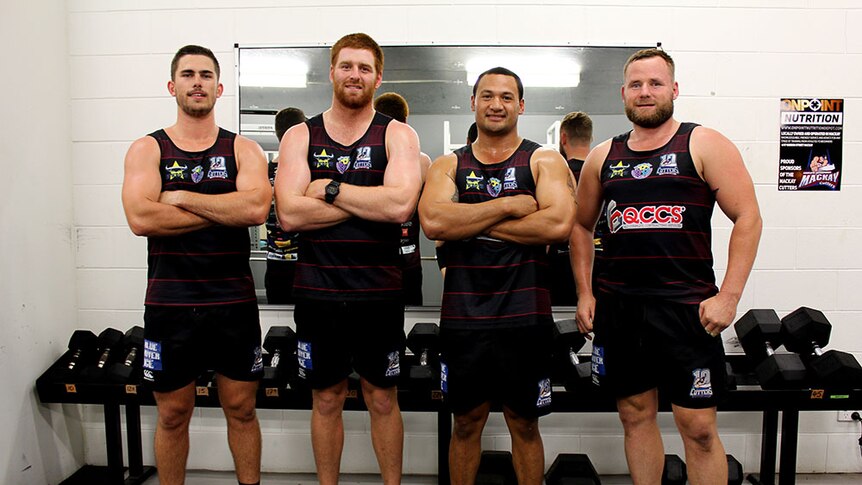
point(410, 254)
point(280, 245)
point(658, 210)
point(208, 266)
point(491, 283)
point(356, 259)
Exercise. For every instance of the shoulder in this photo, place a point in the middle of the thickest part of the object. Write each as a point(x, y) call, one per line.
point(399, 131)
point(247, 149)
point(144, 146)
point(445, 164)
point(706, 142)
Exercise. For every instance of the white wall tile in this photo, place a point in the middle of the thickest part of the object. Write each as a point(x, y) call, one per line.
point(846, 331)
point(100, 289)
point(110, 247)
point(777, 75)
point(777, 248)
point(787, 290)
point(811, 453)
point(98, 205)
point(822, 248)
point(98, 163)
point(842, 453)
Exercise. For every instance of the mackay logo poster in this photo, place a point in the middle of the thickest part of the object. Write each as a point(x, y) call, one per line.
point(810, 144)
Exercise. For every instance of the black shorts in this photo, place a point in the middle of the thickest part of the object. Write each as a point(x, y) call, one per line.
point(510, 366)
point(182, 342)
point(412, 285)
point(336, 337)
point(563, 290)
point(278, 282)
point(641, 345)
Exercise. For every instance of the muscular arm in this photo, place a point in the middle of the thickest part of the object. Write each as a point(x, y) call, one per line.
point(142, 186)
point(555, 195)
point(581, 246)
point(724, 170)
point(296, 211)
point(395, 200)
point(443, 218)
point(247, 206)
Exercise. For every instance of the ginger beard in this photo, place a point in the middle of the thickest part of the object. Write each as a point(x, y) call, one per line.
point(663, 111)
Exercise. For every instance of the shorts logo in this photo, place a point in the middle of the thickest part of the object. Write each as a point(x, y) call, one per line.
point(544, 393)
point(473, 181)
point(647, 217)
point(258, 360)
point(148, 375)
point(701, 386)
point(152, 355)
point(363, 158)
point(667, 165)
point(509, 180)
point(597, 363)
point(197, 174)
point(494, 186)
point(444, 377)
point(217, 168)
point(642, 170)
point(177, 171)
point(342, 164)
point(322, 159)
point(618, 170)
point(303, 357)
point(394, 368)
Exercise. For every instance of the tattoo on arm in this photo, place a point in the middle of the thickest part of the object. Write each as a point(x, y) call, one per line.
point(571, 186)
point(454, 197)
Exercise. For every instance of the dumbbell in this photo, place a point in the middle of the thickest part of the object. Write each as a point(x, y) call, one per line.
point(107, 343)
point(674, 472)
point(133, 342)
point(496, 468)
point(734, 471)
point(572, 469)
point(806, 331)
point(280, 344)
point(568, 340)
point(424, 341)
point(759, 333)
point(82, 344)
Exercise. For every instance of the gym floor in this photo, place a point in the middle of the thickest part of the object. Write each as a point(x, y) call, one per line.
point(227, 478)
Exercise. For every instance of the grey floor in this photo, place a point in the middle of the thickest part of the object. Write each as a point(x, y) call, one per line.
point(227, 478)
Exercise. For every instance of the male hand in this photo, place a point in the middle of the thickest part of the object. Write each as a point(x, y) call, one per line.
point(171, 197)
point(521, 205)
point(585, 312)
point(317, 189)
point(717, 312)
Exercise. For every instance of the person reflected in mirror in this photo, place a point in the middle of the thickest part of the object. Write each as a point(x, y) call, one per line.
point(347, 179)
point(655, 309)
point(193, 189)
point(395, 106)
point(497, 204)
point(282, 248)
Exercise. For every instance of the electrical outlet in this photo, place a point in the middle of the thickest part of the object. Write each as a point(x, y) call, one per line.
point(845, 415)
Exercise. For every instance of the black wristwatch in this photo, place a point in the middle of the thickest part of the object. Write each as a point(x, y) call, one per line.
point(332, 190)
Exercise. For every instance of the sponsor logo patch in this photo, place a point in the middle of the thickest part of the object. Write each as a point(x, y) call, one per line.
point(642, 170)
point(494, 186)
point(342, 164)
point(647, 217)
point(544, 393)
point(152, 355)
point(394, 367)
point(217, 170)
point(618, 170)
point(444, 377)
point(303, 356)
point(509, 180)
point(597, 363)
point(667, 165)
point(701, 386)
point(257, 366)
point(176, 171)
point(473, 181)
point(363, 158)
point(197, 174)
point(322, 159)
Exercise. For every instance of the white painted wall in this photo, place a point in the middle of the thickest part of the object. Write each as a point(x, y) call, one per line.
point(735, 59)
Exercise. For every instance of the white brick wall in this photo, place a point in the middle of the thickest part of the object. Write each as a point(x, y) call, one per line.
point(735, 58)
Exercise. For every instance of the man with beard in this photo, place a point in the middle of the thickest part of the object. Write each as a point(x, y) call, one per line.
point(657, 313)
point(194, 189)
point(348, 178)
point(497, 203)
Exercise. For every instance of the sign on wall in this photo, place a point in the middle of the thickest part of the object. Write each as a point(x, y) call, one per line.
point(810, 144)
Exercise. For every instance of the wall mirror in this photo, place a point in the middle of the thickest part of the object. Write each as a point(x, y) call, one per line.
point(437, 82)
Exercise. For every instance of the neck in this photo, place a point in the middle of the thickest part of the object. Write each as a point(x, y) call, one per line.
point(577, 153)
point(342, 114)
point(497, 148)
point(195, 128)
point(654, 136)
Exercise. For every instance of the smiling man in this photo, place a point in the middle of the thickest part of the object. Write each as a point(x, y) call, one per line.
point(193, 189)
point(497, 203)
point(348, 178)
point(656, 311)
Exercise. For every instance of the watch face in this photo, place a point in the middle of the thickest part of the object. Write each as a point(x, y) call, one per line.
point(331, 189)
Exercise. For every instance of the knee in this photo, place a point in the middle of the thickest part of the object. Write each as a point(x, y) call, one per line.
point(467, 426)
point(329, 402)
point(633, 415)
point(523, 428)
point(240, 411)
point(700, 433)
point(382, 402)
point(174, 417)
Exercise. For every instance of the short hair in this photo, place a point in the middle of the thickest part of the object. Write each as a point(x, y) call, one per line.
point(472, 133)
point(505, 72)
point(648, 53)
point(578, 126)
point(286, 118)
point(193, 50)
point(358, 41)
point(393, 105)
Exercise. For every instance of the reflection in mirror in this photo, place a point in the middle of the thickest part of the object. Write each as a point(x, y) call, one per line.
point(437, 82)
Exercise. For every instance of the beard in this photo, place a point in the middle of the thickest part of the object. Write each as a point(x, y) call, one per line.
point(355, 101)
point(662, 113)
point(195, 111)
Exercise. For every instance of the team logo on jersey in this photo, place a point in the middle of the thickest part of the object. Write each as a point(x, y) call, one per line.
point(667, 165)
point(647, 217)
point(509, 180)
point(322, 159)
point(618, 170)
point(342, 164)
point(701, 386)
point(544, 393)
point(394, 367)
point(257, 366)
point(197, 174)
point(642, 170)
point(176, 171)
point(494, 186)
point(152, 355)
point(474, 181)
point(217, 170)
point(363, 158)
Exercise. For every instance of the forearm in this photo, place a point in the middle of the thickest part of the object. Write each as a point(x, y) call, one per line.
point(378, 203)
point(742, 249)
point(236, 209)
point(582, 253)
point(538, 228)
point(158, 219)
point(301, 213)
point(453, 221)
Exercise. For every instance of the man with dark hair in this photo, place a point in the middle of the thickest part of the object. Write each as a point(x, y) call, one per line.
point(194, 189)
point(497, 203)
point(576, 134)
point(472, 133)
point(656, 312)
point(395, 106)
point(281, 247)
point(347, 179)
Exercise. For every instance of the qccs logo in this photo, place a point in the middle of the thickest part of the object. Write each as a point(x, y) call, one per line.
point(646, 217)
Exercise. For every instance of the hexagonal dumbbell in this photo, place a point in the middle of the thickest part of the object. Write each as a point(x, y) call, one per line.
point(82, 348)
point(108, 344)
point(806, 331)
point(759, 333)
point(424, 341)
point(568, 340)
point(133, 343)
point(280, 344)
